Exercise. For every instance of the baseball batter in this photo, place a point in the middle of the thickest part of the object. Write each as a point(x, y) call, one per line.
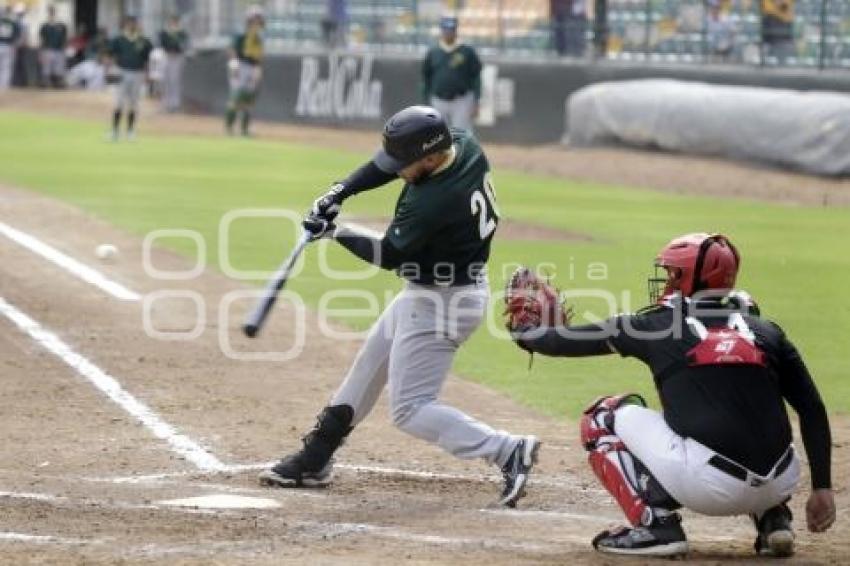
point(245, 71)
point(439, 242)
point(722, 444)
point(130, 51)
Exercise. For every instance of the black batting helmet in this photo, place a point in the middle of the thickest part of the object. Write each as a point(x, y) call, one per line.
point(410, 135)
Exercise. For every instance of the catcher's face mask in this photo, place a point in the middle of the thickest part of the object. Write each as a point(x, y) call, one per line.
point(661, 283)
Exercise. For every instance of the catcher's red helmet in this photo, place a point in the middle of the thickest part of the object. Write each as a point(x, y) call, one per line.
point(704, 261)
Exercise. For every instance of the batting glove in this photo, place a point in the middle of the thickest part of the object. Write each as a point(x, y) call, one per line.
point(329, 204)
point(318, 227)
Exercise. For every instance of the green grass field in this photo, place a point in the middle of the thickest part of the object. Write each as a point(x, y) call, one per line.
point(793, 262)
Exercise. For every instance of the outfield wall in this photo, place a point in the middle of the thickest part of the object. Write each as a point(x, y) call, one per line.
point(523, 101)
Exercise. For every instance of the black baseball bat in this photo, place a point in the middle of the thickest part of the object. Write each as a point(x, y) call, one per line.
point(258, 316)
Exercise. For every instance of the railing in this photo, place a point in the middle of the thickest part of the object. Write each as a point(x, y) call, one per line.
point(801, 33)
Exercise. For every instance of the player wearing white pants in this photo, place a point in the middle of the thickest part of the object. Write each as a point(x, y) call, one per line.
point(439, 240)
point(682, 466)
point(723, 444)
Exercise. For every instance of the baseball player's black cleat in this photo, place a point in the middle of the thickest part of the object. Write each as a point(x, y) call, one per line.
point(517, 469)
point(291, 472)
point(775, 535)
point(312, 465)
point(664, 537)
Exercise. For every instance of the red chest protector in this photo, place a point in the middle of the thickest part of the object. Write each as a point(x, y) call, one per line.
point(733, 344)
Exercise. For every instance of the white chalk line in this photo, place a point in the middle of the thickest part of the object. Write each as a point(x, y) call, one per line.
point(40, 539)
point(336, 529)
point(69, 264)
point(30, 496)
point(108, 385)
point(377, 470)
point(315, 528)
point(58, 500)
point(327, 529)
point(548, 515)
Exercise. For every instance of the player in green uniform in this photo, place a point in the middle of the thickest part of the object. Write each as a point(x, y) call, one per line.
point(174, 40)
point(10, 35)
point(439, 242)
point(130, 52)
point(451, 77)
point(53, 36)
point(245, 70)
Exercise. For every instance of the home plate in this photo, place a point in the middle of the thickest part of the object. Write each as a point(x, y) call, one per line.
point(223, 501)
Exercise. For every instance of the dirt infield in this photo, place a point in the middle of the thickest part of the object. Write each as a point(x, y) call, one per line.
point(680, 174)
point(82, 481)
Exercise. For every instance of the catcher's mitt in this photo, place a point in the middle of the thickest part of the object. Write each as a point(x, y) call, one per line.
point(532, 302)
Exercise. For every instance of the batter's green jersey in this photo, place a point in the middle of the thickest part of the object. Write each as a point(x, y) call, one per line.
point(131, 53)
point(443, 225)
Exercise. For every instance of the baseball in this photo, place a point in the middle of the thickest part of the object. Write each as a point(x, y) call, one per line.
point(106, 252)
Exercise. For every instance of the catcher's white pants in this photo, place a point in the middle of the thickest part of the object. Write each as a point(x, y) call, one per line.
point(411, 347)
point(681, 466)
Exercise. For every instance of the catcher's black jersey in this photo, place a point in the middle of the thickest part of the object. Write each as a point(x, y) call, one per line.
point(444, 224)
point(722, 376)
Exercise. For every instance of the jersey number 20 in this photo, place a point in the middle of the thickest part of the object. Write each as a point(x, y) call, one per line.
point(487, 215)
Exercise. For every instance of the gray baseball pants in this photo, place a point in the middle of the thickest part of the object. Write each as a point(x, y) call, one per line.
point(53, 64)
point(172, 82)
point(7, 65)
point(129, 90)
point(411, 347)
point(458, 111)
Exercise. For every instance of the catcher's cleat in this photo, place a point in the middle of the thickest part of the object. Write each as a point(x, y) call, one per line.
point(291, 472)
point(775, 535)
point(664, 537)
point(517, 469)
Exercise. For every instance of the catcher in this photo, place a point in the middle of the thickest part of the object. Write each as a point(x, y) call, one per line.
point(722, 444)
